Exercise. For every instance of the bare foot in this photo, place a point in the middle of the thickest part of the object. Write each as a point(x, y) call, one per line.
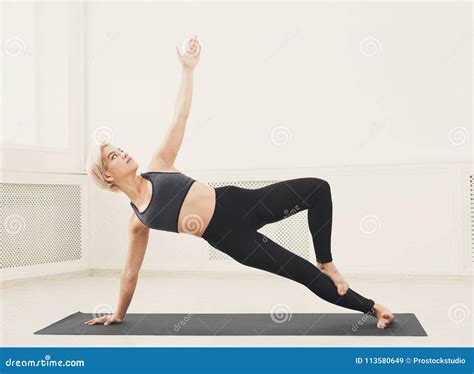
point(330, 270)
point(384, 316)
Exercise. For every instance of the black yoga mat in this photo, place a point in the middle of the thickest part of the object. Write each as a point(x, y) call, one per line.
point(358, 324)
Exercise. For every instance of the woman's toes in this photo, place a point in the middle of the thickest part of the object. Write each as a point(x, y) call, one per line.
point(389, 319)
point(384, 316)
point(346, 286)
point(341, 284)
point(342, 288)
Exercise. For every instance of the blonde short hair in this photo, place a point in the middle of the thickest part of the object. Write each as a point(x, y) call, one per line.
point(95, 167)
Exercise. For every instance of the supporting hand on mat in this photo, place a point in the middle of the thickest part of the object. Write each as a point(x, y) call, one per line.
point(106, 320)
point(191, 52)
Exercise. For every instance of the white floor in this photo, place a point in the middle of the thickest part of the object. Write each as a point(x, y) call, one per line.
point(442, 304)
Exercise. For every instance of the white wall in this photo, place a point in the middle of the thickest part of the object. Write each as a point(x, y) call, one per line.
point(309, 68)
point(296, 65)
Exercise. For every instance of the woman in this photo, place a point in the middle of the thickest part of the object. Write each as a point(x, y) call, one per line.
point(226, 217)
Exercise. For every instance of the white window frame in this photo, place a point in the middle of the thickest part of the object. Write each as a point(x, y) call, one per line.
point(44, 159)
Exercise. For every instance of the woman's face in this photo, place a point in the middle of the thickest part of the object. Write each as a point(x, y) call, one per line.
point(118, 162)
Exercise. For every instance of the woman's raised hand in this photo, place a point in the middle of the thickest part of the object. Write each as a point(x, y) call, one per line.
point(191, 52)
point(106, 320)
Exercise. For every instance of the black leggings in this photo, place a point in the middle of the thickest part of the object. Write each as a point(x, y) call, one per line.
point(240, 212)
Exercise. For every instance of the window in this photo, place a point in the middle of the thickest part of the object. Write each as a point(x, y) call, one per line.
point(42, 89)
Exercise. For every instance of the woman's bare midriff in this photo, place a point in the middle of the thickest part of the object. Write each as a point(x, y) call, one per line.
point(197, 209)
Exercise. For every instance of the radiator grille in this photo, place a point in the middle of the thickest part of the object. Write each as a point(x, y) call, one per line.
point(291, 232)
point(40, 224)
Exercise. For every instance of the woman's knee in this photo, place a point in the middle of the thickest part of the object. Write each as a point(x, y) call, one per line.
point(320, 184)
point(320, 188)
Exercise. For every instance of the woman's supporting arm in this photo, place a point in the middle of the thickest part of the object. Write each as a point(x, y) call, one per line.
point(128, 280)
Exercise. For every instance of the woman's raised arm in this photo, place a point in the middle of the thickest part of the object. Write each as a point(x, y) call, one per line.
point(166, 154)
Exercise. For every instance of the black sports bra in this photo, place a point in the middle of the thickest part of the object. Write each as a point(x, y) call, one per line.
point(169, 192)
